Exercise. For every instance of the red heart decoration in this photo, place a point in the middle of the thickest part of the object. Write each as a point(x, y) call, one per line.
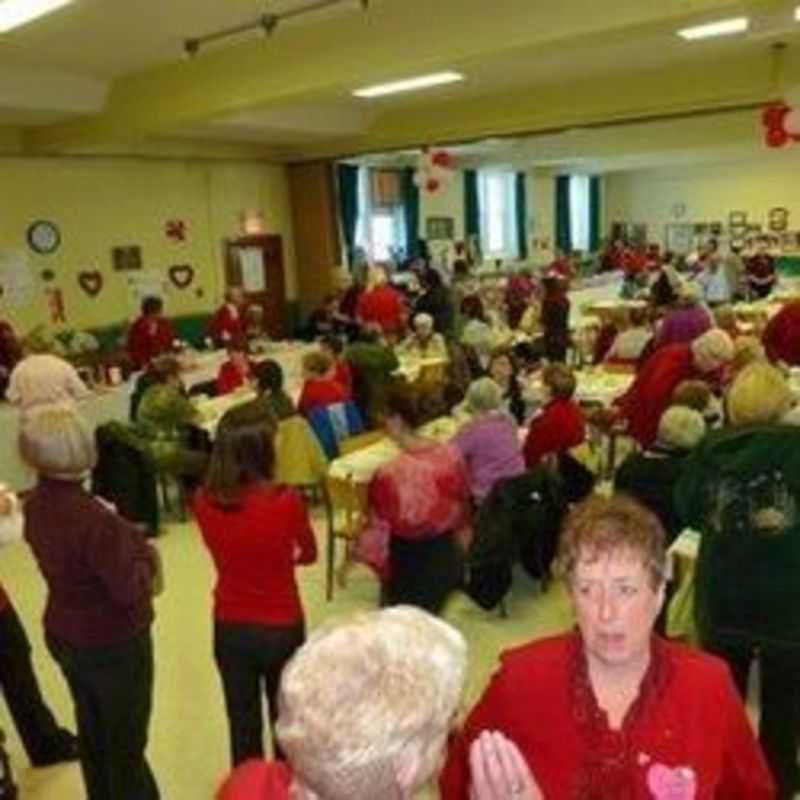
point(181, 275)
point(91, 281)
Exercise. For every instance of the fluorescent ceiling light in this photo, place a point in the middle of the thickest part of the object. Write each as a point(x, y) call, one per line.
point(725, 27)
point(797, 13)
point(409, 84)
point(16, 13)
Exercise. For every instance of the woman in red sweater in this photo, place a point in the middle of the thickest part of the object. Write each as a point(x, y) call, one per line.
point(320, 387)
point(237, 371)
point(257, 533)
point(332, 346)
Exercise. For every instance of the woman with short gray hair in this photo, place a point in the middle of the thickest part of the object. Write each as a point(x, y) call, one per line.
point(100, 574)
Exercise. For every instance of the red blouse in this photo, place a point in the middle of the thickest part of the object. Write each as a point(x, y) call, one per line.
point(258, 780)
point(685, 737)
point(559, 426)
point(318, 392)
point(231, 378)
point(255, 548)
point(149, 338)
point(227, 324)
point(383, 306)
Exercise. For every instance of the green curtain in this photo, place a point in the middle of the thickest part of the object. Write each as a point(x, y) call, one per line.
point(563, 222)
point(594, 214)
point(522, 217)
point(472, 210)
point(348, 206)
point(411, 212)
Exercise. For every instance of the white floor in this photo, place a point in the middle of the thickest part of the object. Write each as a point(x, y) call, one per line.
point(188, 736)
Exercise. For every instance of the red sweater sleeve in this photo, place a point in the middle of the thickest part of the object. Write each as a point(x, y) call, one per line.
point(228, 379)
point(306, 542)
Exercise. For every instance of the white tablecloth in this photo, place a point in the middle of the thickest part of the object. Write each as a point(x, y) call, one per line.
point(595, 385)
point(103, 406)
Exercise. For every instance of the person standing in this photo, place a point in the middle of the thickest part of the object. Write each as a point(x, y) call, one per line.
point(101, 575)
point(228, 324)
point(257, 533)
point(151, 334)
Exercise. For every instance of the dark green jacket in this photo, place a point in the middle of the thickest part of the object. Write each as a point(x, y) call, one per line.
point(741, 490)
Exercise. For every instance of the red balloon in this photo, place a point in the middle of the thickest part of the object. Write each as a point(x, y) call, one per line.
point(777, 137)
point(441, 158)
point(432, 185)
point(772, 116)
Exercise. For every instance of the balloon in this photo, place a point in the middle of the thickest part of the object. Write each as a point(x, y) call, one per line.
point(791, 122)
point(772, 116)
point(441, 158)
point(432, 185)
point(777, 137)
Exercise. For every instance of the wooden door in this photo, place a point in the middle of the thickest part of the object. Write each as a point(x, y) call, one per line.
point(243, 258)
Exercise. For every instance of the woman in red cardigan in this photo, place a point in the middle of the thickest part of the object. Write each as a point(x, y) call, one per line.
point(257, 533)
point(611, 711)
point(237, 371)
point(320, 387)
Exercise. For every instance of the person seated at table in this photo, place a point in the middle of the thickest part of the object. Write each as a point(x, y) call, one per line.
point(320, 388)
point(419, 511)
point(531, 321)
point(332, 346)
point(521, 287)
point(322, 321)
point(436, 301)
point(629, 344)
point(666, 286)
point(739, 490)
point(374, 364)
point(760, 271)
point(43, 378)
point(163, 419)
point(257, 532)
point(271, 396)
point(686, 320)
point(650, 476)
point(555, 317)
point(382, 305)
point(590, 710)
point(151, 335)
point(781, 337)
point(489, 442)
point(424, 342)
point(398, 679)
point(746, 350)
point(642, 405)
point(560, 424)
point(237, 372)
point(614, 323)
point(697, 395)
point(254, 323)
point(503, 371)
point(227, 325)
point(476, 337)
point(725, 319)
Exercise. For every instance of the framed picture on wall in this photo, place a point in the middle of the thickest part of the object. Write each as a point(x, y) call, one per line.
point(737, 219)
point(678, 237)
point(440, 229)
point(127, 258)
point(778, 219)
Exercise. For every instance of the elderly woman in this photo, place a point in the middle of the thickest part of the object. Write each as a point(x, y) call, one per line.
point(395, 689)
point(419, 508)
point(257, 533)
point(489, 442)
point(630, 343)
point(100, 575)
point(741, 490)
point(320, 388)
point(650, 476)
point(610, 710)
point(43, 378)
point(424, 342)
point(650, 394)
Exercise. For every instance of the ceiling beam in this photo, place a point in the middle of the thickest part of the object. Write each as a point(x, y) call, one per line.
point(395, 37)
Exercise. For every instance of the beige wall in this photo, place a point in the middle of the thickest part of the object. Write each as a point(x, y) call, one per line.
point(709, 192)
point(99, 203)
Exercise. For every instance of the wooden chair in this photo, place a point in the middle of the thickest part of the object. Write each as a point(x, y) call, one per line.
point(346, 505)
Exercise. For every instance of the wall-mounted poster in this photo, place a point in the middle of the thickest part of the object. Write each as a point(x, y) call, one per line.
point(147, 283)
point(252, 263)
point(440, 229)
point(126, 258)
point(778, 219)
point(17, 280)
point(678, 238)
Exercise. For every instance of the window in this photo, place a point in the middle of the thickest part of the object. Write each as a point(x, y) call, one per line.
point(381, 226)
point(579, 212)
point(497, 200)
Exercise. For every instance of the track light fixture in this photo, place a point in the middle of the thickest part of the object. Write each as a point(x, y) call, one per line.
point(265, 24)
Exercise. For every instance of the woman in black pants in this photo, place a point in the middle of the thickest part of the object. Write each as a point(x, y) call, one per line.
point(257, 533)
point(100, 574)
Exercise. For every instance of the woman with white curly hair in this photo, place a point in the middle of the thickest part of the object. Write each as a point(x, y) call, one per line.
point(366, 707)
point(424, 342)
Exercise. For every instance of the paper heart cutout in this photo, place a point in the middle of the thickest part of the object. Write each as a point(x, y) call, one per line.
point(91, 281)
point(181, 275)
point(679, 783)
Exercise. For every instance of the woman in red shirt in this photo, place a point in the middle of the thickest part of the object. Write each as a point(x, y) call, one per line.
point(333, 347)
point(320, 387)
point(151, 334)
point(382, 305)
point(611, 711)
point(237, 371)
point(257, 533)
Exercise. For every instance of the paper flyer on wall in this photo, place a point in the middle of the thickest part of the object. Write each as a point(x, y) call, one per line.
point(252, 263)
point(17, 279)
point(147, 283)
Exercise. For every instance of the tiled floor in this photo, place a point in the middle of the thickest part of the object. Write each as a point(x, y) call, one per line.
point(188, 736)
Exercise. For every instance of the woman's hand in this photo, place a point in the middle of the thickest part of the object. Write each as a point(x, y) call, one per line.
point(498, 770)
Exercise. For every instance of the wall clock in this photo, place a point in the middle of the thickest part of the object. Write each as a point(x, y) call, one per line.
point(44, 237)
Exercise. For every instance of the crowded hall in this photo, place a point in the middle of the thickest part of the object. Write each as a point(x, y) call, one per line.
point(399, 400)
